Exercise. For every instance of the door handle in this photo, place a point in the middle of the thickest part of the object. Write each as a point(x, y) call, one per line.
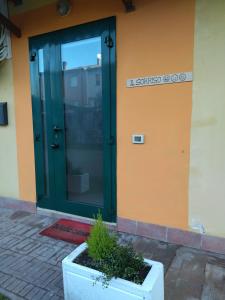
point(111, 141)
point(54, 146)
point(57, 129)
point(37, 137)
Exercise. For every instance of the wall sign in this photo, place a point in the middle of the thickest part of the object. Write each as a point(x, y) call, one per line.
point(160, 79)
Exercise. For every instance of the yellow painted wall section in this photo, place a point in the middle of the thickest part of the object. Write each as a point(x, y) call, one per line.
point(207, 175)
point(9, 186)
point(152, 179)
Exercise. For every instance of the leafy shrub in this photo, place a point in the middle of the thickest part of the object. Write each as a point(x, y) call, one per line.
point(112, 259)
point(124, 263)
point(100, 243)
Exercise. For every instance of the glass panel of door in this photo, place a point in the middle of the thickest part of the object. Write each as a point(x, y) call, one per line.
point(82, 95)
point(43, 108)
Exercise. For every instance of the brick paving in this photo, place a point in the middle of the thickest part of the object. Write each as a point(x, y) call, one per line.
point(30, 264)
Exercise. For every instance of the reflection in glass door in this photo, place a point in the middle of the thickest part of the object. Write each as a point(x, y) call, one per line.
point(82, 82)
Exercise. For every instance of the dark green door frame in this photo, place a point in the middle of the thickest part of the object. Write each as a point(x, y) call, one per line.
point(54, 197)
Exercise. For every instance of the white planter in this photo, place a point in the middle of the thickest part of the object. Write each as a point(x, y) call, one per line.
point(80, 284)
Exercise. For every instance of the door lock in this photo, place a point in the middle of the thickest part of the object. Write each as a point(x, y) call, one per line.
point(54, 146)
point(57, 129)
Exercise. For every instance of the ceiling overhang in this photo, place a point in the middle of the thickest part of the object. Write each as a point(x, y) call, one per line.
point(10, 25)
point(128, 4)
point(4, 20)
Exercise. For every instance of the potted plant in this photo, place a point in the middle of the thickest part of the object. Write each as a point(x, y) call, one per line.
point(101, 269)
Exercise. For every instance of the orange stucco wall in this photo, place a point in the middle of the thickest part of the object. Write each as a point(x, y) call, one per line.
point(152, 179)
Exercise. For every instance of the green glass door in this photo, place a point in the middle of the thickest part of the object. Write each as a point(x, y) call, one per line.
point(73, 96)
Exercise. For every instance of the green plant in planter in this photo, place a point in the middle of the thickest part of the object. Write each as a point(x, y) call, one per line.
point(112, 259)
point(124, 263)
point(100, 243)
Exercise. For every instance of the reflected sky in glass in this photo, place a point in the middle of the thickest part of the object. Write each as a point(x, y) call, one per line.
point(78, 54)
point(41, 60)
point(81, 53)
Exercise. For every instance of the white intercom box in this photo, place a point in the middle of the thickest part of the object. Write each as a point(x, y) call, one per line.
point(138, 139)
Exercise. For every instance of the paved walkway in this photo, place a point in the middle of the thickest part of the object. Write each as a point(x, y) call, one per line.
point(30, 264)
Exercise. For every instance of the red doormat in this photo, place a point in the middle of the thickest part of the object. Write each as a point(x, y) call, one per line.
point(69, 231)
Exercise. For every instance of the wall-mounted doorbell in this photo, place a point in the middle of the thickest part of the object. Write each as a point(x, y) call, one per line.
point(138, 138)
